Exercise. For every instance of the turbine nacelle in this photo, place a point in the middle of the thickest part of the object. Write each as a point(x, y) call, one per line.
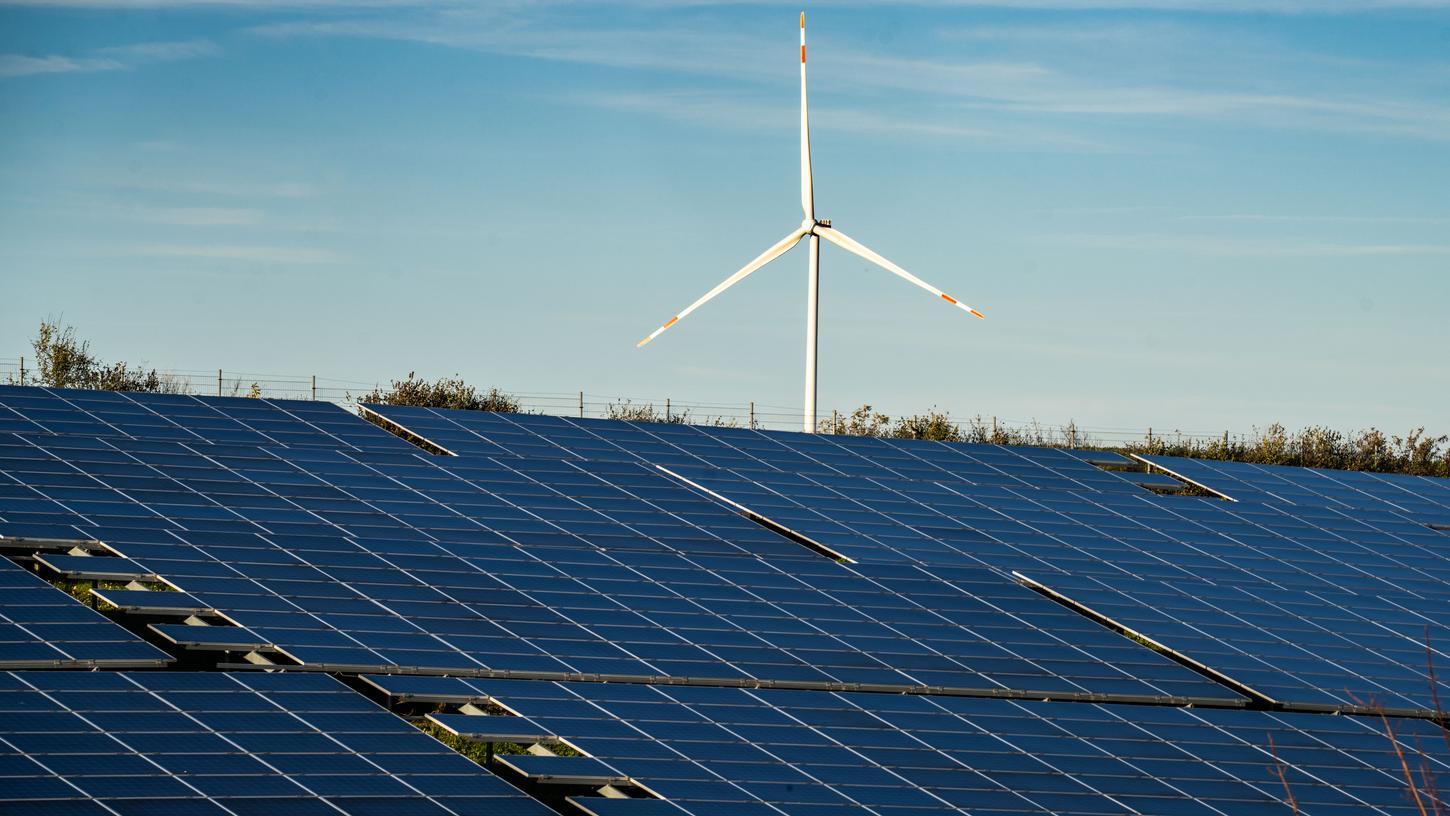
point(808, 226)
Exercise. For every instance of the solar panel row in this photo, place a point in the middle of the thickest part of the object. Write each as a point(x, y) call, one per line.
point(184, 418)
point(479, 433)
point(1337, 600)
point(43, 627)
point(1314, 486)
point(154, 743)
point(363, 558)
point(718, 750)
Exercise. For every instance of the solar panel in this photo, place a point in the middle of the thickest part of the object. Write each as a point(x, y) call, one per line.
point(1412, 495)
point(476, 433)
point(364, 559)
point(1286, 570)
point(184, 418)
point(748, 672)
point(43, 627)
point(708, 750)
point(204, 743)
point(1286, 645)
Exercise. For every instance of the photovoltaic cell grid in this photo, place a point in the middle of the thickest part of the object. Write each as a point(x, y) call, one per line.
point(330, 503)
point(717, 750)
point(152, 743)
point(1288, 645)
point(479, 433)
point(1340, 489)
point(1324, 601)
point(1301, 603)
point(637, 606)
point(43, 627)
point(541, 565)
point(185, 418)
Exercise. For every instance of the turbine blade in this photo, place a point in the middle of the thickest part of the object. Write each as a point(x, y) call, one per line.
point(808, 199)
point(849, 244)
point(764, 258)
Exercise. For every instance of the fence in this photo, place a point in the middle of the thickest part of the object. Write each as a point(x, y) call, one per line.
point(220, 382)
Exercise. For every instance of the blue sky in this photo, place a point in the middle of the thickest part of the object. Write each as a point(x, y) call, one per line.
point(1191, 215)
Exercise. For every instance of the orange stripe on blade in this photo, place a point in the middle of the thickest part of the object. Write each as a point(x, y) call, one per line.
point(672, 321)
point(977, 313)
point(803, 19)
point(803, 53)
point(949, 299)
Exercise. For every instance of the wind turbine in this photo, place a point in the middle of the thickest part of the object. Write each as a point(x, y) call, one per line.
point(815, 229)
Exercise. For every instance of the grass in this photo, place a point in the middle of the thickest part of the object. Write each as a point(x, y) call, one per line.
point(478, 751)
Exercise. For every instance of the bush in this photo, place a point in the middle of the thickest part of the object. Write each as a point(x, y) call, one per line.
point(443, 393)
point(1416, 453)
point(630, 412)
point(862, 422)
point(62, 360)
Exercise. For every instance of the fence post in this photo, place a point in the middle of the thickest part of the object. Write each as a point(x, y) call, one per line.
point(752, 412)
point(314, 387)
point(581, 404)
point(667, 409)
point(218, 382)
point(22, 371)
point(1150, 436)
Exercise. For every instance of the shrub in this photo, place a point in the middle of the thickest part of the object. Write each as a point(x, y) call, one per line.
point(63, 360)
point(444, 392)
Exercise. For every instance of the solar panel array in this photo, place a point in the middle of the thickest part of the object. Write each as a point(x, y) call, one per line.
point(333, 558)
point(720, 620)
point(43, 627)
point(1312, 603)
point(140, 743)
point(721, 750)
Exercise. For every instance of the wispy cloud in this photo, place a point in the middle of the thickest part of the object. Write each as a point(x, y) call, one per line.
point(226, 188)
point(115, 58)
point(736, 112)
point(1322, 7)
point(1238, 247)
point(1266, 218)
point(1216, 82)
point(197, 216)
point(223, 252)
point(16, 65)
point(161, 51)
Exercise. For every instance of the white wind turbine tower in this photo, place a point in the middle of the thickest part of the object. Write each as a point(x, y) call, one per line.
point(815, 229)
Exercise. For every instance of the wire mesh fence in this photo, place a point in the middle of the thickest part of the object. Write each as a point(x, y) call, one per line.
point(345, 392)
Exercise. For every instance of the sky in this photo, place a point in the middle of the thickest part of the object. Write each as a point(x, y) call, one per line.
point(1191, 215)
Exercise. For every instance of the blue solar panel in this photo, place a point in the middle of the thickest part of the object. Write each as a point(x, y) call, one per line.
point(556, 545)
point(475, 433)
point(1409, 495)
point(42, 627)
point(185, 419)
point(355, 558)
point(224, 743)
point(1292, 568)
point(1307, 542)
point(708, 749)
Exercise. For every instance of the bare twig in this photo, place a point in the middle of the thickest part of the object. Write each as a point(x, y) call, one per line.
point(1279, 769)
point(1404, 765)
